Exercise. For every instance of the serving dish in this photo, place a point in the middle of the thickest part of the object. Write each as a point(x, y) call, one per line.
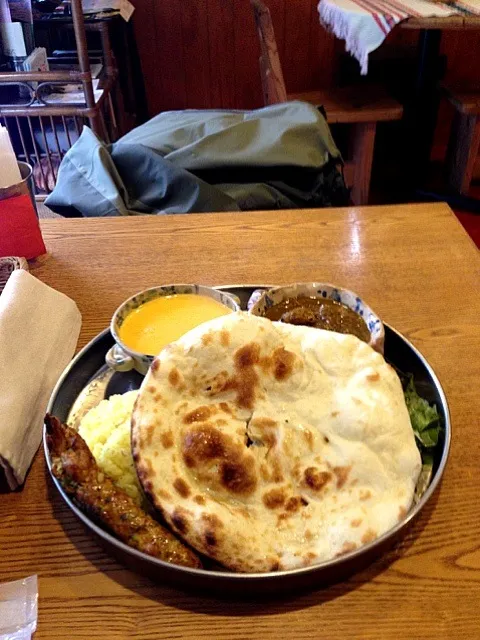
point(122, 358)
point(87, 380)
point(323, 291)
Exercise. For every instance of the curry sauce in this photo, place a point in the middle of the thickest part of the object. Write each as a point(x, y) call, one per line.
point(158, 322)
point(321, 313)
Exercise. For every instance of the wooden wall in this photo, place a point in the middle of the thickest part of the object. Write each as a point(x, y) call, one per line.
point(204, 53)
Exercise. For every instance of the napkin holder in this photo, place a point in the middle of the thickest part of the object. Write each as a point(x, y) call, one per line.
point(7, 266)
point(21, 235)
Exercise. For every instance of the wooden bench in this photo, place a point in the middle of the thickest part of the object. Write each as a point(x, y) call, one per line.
point(359, 107)
point(464, 140)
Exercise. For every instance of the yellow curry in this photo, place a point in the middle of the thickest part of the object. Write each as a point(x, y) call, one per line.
point(158, 322)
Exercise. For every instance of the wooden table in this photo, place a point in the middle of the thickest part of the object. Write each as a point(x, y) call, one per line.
point(419, 270)
point(452, 23)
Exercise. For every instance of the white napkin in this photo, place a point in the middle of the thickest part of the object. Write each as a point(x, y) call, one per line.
point(472, 6)
point(364, 24)
point(18, 609)
point(39, 329)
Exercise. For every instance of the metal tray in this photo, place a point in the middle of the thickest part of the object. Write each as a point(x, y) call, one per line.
point(87, 380)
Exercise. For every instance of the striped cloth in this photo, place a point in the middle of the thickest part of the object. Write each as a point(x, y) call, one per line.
point(469, 6)
point(364, 24)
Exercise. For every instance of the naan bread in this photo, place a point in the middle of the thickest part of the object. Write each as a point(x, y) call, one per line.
point(269, 446)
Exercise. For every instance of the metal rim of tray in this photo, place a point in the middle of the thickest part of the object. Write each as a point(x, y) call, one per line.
point(266, 576)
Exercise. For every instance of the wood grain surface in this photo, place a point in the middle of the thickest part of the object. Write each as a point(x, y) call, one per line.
point(419, 270)
point(452, 23)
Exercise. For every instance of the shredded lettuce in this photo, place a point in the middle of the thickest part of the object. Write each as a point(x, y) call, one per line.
point(424, 417)
point(427, 427)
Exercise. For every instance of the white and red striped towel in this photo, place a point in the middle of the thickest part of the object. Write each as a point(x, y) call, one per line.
point(364, 24)
point(469, 6)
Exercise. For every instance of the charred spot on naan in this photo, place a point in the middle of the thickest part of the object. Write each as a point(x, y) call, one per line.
point(215, 457)
point(137, 442)
point(245, 379)
point(341, 474)
point(308, 435)
point(283, 362)
point(149, 433)
point(247, 356)
point(145, 471)
point(166, 438)
point(294, 507)
point(277, 474)
point(269, 438)
point(215, 385)
point(238, 477)
point(181, 408)
point(202, 444)
point(175, 378)
point(225, 407)
point(224, 338)
point(264, 473)
point(207, 339)
point(262, 431)
point(274, 498)
point(315, 479)
point(210, 538)
point(245, 383)
point(295, 503)
point(182, 488)
point(146, 483)
point(264, 423)
point(211, 527)
point(212, 520)
point(180, 519)
point(369, 536)
point(310, 558)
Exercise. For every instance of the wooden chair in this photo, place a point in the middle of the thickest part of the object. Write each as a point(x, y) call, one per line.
point(464, 140)
point(359, 107)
